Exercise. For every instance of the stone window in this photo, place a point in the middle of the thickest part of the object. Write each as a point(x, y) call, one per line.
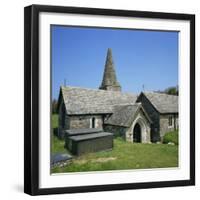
point(170, 121)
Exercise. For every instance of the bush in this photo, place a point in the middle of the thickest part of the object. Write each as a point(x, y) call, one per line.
point(171, 137)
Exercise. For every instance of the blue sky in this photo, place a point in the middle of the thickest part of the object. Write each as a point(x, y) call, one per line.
point(141, 57)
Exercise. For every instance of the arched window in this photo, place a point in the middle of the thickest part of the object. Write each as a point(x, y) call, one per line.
point(93, 122)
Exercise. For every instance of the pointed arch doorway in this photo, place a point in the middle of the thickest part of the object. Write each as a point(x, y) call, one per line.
point(137, 133)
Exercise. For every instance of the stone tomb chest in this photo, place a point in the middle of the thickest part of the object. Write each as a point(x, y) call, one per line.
point(81, 141)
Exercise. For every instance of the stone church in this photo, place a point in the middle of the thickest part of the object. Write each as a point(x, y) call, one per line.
point(136, 118)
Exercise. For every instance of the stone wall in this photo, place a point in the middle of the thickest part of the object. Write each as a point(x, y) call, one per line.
point(84, 121)
point(76, 122)
point(61, 128)
point(164, 123)
point(113, 88)
point(154, 116)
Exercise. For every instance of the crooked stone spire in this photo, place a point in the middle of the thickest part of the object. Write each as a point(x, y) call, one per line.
point(109, 81)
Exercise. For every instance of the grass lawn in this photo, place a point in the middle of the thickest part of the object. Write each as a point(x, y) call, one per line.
point(57, 145)
point(124, 155)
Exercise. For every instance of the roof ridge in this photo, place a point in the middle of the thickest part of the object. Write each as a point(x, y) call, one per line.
point(151, 92)
point(163, 103)
point(98, 90)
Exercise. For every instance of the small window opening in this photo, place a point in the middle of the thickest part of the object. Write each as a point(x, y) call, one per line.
point(170, 121)
point(93, 122)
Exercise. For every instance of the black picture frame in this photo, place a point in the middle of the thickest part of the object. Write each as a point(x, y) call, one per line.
point(31, 99)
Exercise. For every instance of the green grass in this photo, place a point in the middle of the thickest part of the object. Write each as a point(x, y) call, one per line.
point(57, 145)
point(171, 137)
point(124, 155)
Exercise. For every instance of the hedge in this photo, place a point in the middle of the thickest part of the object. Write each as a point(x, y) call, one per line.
point(171, 137)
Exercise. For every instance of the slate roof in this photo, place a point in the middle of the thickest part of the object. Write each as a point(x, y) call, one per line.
point(163, 103)
point(124, 115)
point(91, 101)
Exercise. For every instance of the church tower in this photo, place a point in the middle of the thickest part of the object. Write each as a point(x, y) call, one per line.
point(109, 81)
